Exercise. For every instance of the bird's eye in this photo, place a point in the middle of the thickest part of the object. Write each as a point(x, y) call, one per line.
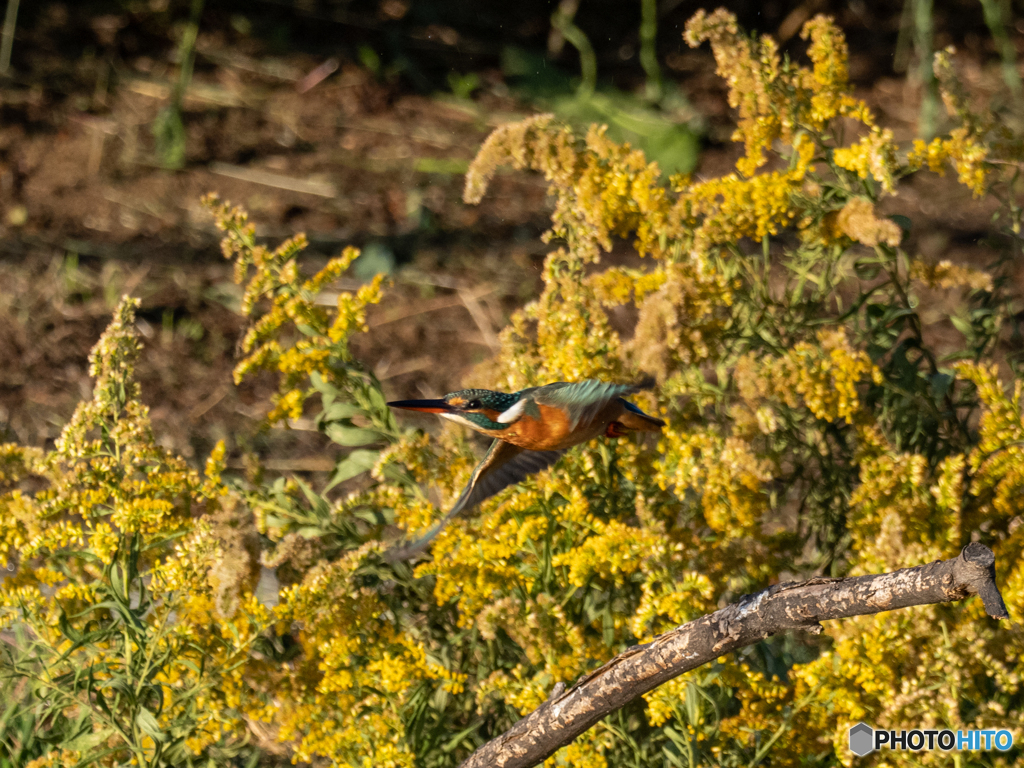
point(474, 404)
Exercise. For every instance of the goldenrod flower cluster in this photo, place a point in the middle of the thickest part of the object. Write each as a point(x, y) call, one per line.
point(109, 600)
point(318, 342)
point(945, 274)
point(778, 404)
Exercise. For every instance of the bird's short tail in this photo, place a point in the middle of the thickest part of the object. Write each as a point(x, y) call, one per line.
point(633, 418)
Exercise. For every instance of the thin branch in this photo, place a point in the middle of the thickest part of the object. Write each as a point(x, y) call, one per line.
point(568, 713)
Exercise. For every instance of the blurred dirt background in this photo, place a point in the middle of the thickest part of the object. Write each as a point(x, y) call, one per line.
point(352, 122)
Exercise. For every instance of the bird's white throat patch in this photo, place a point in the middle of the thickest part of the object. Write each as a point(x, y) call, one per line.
point(513, 413)
point(460, 419)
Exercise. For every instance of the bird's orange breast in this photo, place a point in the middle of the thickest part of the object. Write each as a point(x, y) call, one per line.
point(549, 432)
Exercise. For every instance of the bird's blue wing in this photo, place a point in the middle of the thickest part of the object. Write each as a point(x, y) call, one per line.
point(504, 465)
point(583, 400)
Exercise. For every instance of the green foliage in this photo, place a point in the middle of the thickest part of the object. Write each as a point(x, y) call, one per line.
point(120, 661)
point(920, 16)
point(130, 617)
point(7, 35)
point(660, 122)
point(169, 134)
point(168, 128)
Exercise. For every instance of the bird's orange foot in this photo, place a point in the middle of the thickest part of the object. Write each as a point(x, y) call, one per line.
point(615, 429)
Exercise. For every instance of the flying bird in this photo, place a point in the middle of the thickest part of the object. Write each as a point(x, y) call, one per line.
point(531, 428)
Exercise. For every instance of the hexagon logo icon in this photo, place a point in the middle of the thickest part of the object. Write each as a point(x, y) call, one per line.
point(862, 739)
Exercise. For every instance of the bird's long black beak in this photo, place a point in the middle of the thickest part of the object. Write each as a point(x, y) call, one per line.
point(426, 406)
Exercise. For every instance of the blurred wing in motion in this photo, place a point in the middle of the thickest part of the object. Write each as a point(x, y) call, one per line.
point(504, 465)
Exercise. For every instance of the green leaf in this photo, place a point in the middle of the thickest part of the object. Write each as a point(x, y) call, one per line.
point(66, 629)
point(965, 354)
point(940, 384)
point(169, 133)
point(902, 222)
point(148, 723)
point(88, 741)
point(377, 399)
point(319, 504)
point(325, 388)
point(339, 411)
point(692, 704)
point(116, 584)
point(276, 521)
point(458, 738)
point(188, 664)
point(164, 540)
point(97, 694)
point(962, 325)
point(897, 312)
point(373, 516)
point(355, 463)
point(351, 436)
point(866, 270)
point(874, 311)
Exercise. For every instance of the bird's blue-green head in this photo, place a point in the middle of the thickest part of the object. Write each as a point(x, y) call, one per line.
point(479, 409)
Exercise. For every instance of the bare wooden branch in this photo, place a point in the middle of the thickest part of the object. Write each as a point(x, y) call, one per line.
point(568, 713)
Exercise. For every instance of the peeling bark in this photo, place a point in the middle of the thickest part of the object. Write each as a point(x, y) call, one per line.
point(568, 713)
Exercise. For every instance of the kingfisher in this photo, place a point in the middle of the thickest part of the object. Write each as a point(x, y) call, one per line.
point(531, 428)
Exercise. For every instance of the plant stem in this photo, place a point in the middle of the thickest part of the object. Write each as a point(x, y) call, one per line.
point(187, 51)
point(901, 58)
point(995, 13)
point(561, 20)
point(7, 35)
point(648, 47)
point(923, 41)
point(168, 128)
